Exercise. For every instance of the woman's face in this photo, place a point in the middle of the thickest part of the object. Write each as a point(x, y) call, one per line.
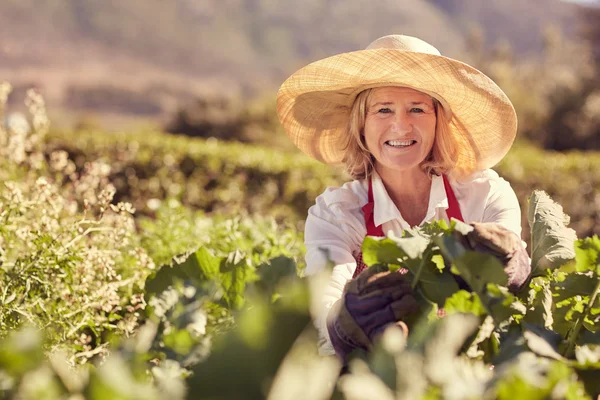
point(399, 127)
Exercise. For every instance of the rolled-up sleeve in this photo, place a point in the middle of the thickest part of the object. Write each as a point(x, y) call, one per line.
point(334, 230)
point(502, 206)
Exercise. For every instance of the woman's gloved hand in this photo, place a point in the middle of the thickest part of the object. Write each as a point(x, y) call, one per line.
point(371, 302)
point(505, 245)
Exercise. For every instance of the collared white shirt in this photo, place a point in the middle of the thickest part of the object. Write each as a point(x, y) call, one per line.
point(336, 223)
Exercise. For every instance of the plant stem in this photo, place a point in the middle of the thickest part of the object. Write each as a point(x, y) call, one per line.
point(426, 256)
point(579, 323)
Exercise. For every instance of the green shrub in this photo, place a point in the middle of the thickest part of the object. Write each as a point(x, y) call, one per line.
point(230, 178)
point(70, 260)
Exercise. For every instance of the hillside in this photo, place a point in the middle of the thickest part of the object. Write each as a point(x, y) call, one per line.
point(520, 23)
point(168, 52)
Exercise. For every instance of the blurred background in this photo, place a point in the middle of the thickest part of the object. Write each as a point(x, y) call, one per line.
point(212, 67)
point(169, 105)
point(202, 76)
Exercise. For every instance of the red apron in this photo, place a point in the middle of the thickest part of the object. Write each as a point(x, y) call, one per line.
point(453, 211)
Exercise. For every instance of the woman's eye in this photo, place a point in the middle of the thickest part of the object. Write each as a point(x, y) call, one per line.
point(417, 110)
point(384, 110)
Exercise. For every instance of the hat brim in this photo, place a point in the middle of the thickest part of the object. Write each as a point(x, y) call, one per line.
point(314, 103)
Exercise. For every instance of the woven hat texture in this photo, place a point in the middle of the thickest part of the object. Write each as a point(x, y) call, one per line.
point(314, 103)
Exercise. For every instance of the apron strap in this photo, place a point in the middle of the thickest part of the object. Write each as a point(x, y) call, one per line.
point(368, 209)
point(453, 210)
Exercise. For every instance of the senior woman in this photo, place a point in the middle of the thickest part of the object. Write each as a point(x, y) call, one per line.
point(418, 132)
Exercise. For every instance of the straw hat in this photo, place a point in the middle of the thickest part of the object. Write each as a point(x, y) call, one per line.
point(314, 103)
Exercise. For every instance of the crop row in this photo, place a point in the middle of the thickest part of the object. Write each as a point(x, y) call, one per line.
point(211, 175)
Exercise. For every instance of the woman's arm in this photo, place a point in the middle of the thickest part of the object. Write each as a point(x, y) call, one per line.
point(335, 229)
point(503, 208)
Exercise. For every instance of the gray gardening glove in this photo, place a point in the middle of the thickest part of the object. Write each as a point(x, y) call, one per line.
point(370, 303)
point(505, 245)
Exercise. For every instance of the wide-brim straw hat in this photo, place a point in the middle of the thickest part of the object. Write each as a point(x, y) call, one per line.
point(314, 104)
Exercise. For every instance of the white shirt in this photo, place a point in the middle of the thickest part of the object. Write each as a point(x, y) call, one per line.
point(336, 223)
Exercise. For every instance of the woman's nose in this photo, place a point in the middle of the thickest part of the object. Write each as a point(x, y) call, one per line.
point(401, 122)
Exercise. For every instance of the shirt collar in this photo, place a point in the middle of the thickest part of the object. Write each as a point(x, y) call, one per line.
point(385, 209)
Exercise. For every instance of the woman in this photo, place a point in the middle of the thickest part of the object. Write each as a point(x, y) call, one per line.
point(418, 132)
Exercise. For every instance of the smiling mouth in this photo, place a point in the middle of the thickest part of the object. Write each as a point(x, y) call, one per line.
point(400, 144)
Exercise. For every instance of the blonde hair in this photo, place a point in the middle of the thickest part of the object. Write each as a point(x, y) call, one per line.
point(360, 162)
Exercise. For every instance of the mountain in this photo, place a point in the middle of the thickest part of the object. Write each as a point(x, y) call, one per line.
point(520, 23)
point(156, 54)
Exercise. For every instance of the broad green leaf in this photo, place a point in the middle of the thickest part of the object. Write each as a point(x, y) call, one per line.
point(197, 267)
point(461, 227)
point(551, 240)
point(381, 251)
point(501, 304)
point(273, 272)
point(207, 263)
point(574, 284)
point(438, 260)
point(477, 269)
point(436, 286)
point(236, 273)
point(179, 340)
point(542, 342)
point(428, 229)
point(484, 344)
point(464, 302)
point(512, 345)
point(539, 303)
point(485, 276)
point(587, 253)
point(412, 247)
point(570, 294)
point(416, 254)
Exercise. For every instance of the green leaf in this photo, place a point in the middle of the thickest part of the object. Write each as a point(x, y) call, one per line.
point(485, 276)
point(570, 285)
point(477, 269)
point(415, 254)
point(587, 252)
point(438, 260)
point(551, 240)
point(179, 340)
point(461, 227)
point(464, 302)
point(236, 273)
point(542, 342)
point(501, 304)
point(428, 229)
point(273, 272)
point(205, 262)
point(436, 286)
point(381, 251)
point(539, 303)
point(570, 294)
point(197, 267)
point(412, 247)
